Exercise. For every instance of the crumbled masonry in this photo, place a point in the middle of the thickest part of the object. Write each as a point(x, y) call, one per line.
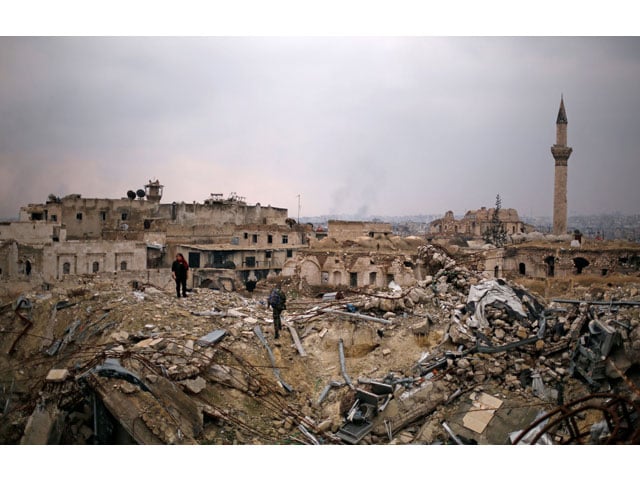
point(455, 358)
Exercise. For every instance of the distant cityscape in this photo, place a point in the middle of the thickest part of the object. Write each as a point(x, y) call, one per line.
point(605, 226)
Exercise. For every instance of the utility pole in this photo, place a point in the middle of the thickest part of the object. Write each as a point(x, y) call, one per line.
point(298, 208)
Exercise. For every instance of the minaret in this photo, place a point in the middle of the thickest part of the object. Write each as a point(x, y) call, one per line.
point(561, 153)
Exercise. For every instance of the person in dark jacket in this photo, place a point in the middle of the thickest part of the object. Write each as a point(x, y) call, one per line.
point(277, 301)
point(179, 272)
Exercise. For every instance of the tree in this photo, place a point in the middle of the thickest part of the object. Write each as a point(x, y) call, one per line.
point(496, 233)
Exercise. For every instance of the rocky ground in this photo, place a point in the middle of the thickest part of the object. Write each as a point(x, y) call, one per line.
point(447, 363)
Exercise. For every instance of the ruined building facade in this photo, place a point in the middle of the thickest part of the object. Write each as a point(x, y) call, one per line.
point(122, 238)
point(561, 153)
point(475, 223)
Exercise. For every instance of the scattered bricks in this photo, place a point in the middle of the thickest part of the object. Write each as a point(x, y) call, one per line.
point(522, 333)
point(464, 363)
point(386, 352)
point(194, 386)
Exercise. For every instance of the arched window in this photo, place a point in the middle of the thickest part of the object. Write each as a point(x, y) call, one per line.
point(522, 268)
point(580, 264)
point(123, 265)
point(551, 263)
point(95, 267)
point(66, 268)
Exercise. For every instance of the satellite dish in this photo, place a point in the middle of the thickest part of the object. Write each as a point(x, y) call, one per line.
point(140, 193)
point(131, 194)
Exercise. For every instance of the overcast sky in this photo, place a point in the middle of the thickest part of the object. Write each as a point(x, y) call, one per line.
point(353, 125)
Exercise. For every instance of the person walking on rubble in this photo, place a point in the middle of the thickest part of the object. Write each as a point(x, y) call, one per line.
point(277, 301)
point(179, 272)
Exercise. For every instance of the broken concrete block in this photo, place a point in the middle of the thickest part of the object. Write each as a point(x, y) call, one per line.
point(194, 385)
point(128, 388)
point(211, 338)
point(57, 375)
point(188, 348)
point(325, 426)
point(120, 336)
point(482, 409)
point(143, 344)
point(235, 313)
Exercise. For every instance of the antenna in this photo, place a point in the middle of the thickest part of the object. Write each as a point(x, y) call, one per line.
point(131, 194)
point(140, 193)
point(298, 208)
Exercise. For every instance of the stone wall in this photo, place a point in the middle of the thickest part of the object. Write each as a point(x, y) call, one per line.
point(354, 270)
point(539, 262)
point(37, 232)
point(475, 222)
point(91, 218)
point(346, 230)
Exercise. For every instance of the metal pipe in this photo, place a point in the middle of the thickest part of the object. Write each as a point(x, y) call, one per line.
point(343, 367)
point(326, 389)
point(258, 331)
point(6, 405)
point(596, 302)
point(357, 315)
point(308, 435)
point(453, 436)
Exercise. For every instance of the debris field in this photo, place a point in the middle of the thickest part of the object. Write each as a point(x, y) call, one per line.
point(456, 358)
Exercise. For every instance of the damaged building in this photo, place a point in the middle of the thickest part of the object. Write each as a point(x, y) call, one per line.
point(475, 223)
point(454, 358)
point(137, 237)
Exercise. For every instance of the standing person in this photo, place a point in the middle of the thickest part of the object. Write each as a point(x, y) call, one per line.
point(277, 301)
point(179, 272)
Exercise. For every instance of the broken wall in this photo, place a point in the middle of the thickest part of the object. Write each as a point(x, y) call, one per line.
point(346, 230)
point(355, 270)
point(29, 232)
point(540, 262)
point(475, 222)
point(77, 258)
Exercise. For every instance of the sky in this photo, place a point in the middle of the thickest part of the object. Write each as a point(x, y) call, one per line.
point(321, 124)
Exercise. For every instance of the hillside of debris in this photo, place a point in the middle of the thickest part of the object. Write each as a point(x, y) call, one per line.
point(455, 358)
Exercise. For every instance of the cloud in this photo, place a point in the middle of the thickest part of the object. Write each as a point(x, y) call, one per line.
point(386, 125)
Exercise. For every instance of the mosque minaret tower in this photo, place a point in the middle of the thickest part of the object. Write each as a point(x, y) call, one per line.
point(561, 154)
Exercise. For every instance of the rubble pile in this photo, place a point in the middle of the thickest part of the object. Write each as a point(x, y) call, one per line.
point(98, 363)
